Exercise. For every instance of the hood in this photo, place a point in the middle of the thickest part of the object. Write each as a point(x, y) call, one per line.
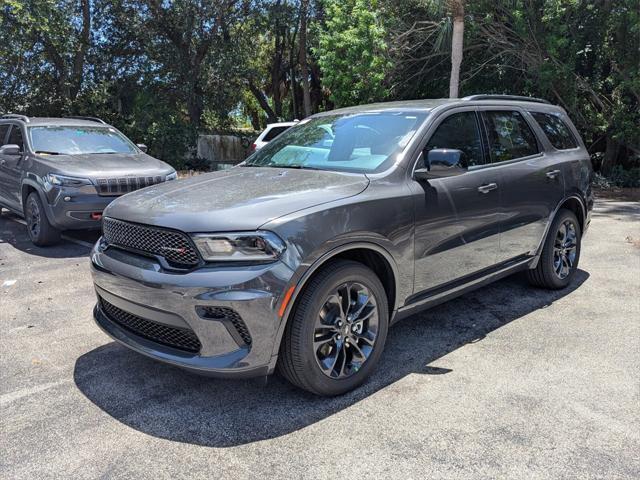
point(242, 198)
point(105, 165)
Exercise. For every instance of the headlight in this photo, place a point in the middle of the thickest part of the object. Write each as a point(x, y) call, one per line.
point(239, 246)
point(171, 176)
point(61, 180)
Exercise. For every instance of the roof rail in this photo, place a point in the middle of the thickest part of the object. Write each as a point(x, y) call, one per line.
point(16, 116)
point(518, 98)
point(91, 119)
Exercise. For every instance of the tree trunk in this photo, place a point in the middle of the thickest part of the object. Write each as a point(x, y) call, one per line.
point(304, 67)
point(457, 40)
point(262, 101)
point(611, 153)
point(84, 43)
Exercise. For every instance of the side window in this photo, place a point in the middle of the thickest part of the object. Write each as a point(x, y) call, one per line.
point(15, 137)
point(556, 130)
point(509, 136)
point(460, 132)
point(273, 133)
point(3, 133)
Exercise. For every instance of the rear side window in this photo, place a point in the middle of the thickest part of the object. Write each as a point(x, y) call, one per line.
point(509, 136)
point(3, 133)
point(460, 132)
point(273, 133)
point(556, 130)
point(15, 137)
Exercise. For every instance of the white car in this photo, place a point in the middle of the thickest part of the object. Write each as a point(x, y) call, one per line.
point(271, 132)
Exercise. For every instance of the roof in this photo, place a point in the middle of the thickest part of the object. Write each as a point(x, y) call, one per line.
point(56, 121)
point(430, 104)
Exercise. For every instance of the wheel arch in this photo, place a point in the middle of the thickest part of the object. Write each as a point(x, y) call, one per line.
point(573, 203)
point(370, 254)
point(29, 186)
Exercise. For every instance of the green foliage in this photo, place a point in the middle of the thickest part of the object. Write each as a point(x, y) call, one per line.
point(161, 71)
point(353, 52)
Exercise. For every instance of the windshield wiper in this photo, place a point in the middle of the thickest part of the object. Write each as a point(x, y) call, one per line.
point(297, 167)
point(47, 152)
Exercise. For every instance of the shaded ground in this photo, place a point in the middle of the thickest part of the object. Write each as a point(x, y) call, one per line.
point(505, 382)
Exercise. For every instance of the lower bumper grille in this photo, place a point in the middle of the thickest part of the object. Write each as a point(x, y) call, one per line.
point(232, 320)
point(178, 338)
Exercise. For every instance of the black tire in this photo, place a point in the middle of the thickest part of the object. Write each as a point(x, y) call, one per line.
point(41, 232)
point(300, 362)
point(558, 264)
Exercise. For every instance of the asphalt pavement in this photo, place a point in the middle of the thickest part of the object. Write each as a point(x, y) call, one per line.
point(505, 382)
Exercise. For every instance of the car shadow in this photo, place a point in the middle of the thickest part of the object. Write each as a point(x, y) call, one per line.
point(13, 232)
point(169, 403)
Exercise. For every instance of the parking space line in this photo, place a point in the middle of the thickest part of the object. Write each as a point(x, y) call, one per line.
point(82, 243)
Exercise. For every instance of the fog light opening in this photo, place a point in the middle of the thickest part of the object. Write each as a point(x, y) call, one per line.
point(96, 215)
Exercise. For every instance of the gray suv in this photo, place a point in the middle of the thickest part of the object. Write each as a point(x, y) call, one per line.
point(302, 256)
point(61, 173)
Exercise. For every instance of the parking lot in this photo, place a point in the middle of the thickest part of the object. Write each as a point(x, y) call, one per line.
point(507, 381)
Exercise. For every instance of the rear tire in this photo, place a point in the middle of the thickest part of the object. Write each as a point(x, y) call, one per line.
point(338, 330)
point(560, 255)
point(41, 232)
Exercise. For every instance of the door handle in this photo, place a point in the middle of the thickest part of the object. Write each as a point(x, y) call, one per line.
point(553, 174)
point(487, 188)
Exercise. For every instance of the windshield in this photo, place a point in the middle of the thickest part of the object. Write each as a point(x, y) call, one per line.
point(362, 143)
point(61, 140)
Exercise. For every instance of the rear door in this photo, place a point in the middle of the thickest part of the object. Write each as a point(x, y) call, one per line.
point(10, 169)
point(532, 179)
point(457, 219)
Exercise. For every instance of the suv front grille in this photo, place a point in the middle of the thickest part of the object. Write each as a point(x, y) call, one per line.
point(122, 185)
point(175, 247)
point(178, 338)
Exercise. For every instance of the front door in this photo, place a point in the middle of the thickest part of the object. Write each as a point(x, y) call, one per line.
point(457, 227)
point(10, 170)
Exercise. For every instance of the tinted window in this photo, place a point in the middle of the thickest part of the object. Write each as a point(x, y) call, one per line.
point(3, 133)
point(79, 140)
point(15, 137)
point(556, 130)
point(361, 142)
point(459, 132)
point(509, 136)
point(273, 133)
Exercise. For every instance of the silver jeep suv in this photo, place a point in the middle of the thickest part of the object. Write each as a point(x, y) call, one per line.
point(61, 173)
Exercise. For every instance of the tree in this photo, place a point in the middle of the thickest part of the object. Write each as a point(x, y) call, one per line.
point(353, 52)
point(55, 36)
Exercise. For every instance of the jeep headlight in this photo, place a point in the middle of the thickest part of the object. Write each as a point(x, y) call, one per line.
point(171, 176)
point(257, 246)
point(64, 181)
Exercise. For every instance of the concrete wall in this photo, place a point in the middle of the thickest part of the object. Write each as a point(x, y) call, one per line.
point(228, 149)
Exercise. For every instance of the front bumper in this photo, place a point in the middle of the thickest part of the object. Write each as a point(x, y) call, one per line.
point(139, 286)
point(71, 208)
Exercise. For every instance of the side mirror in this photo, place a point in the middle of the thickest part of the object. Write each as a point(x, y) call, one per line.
point(10, 149)
point(142, 147)
point(442, 162)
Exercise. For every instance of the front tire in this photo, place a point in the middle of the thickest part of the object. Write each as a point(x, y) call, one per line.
point(560, 255)
point(338, 330)
point(41, 232)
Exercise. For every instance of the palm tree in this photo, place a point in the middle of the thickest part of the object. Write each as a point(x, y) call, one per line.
point(456, 7)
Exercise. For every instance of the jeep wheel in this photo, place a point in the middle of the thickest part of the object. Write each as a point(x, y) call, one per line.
point(337, 333)
point(41, 232)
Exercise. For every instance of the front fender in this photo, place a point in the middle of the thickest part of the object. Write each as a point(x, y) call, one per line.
point(306, 270)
